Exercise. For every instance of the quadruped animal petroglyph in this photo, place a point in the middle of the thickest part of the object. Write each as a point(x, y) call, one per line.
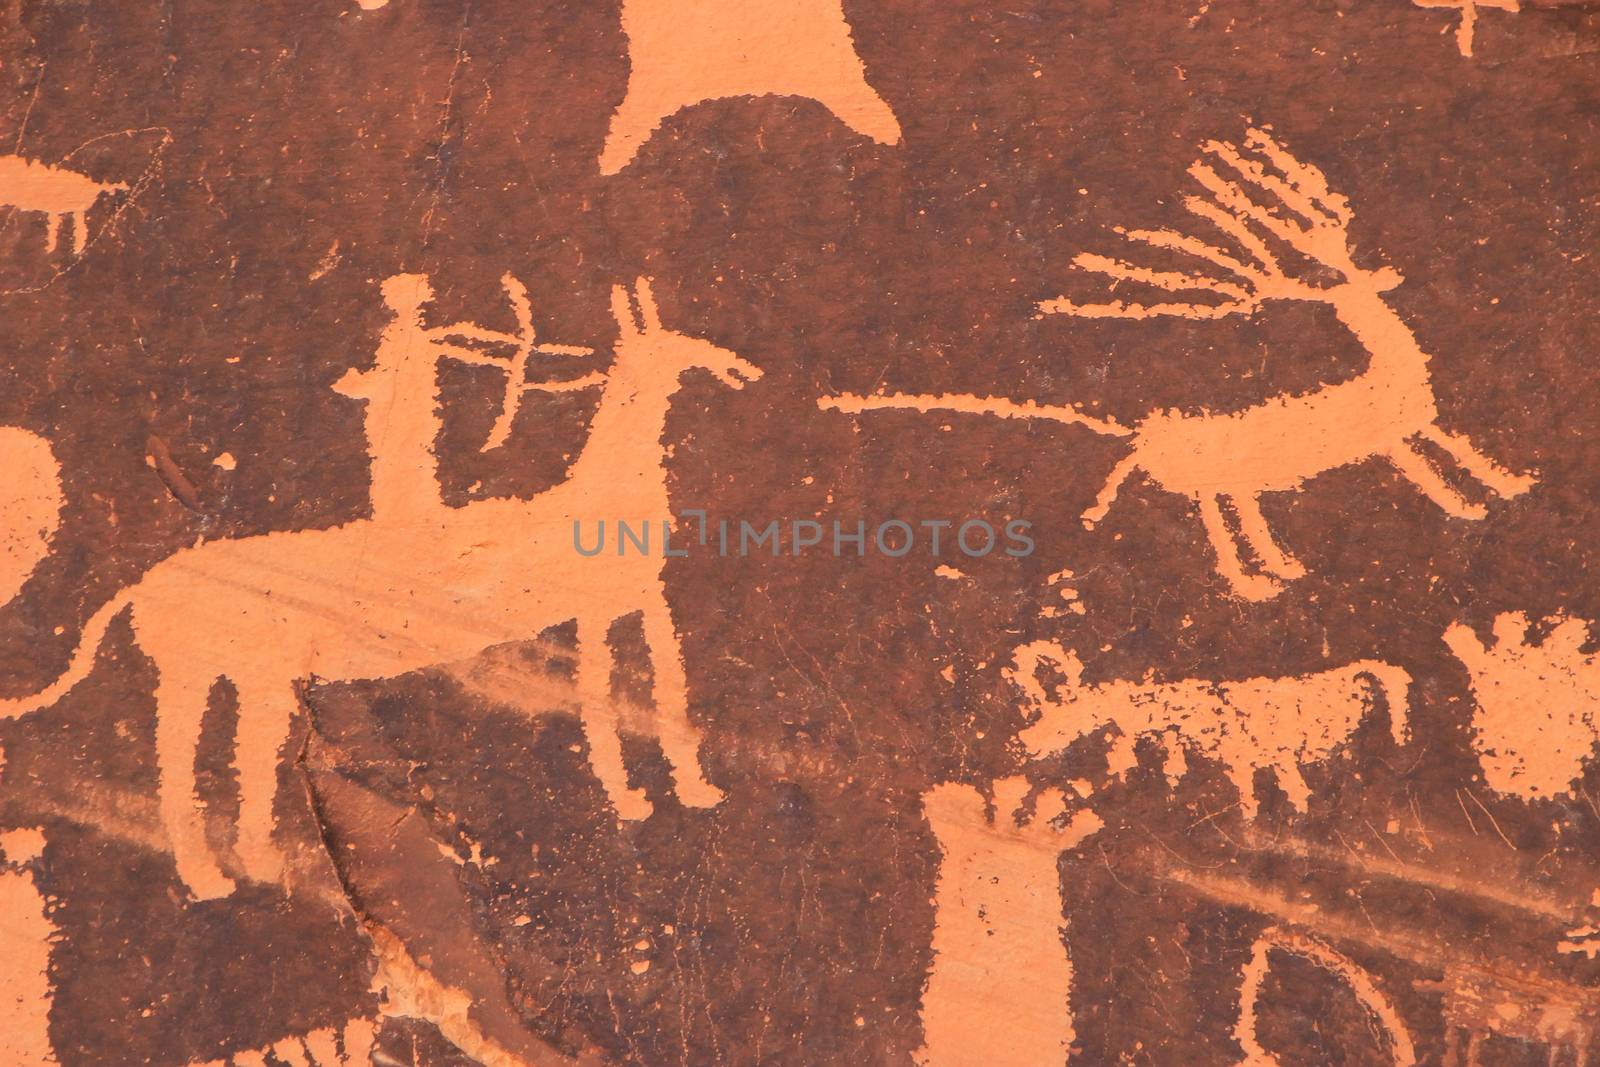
point(681, 55)
point(1276, 724)
point(418, 584)
point(63, 196)
point(1216, 458)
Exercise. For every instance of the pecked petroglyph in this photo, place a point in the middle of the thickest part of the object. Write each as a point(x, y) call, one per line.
point(1538, 714)
point(25, 936)
point(682, 56)
point(350, 1045)
point(30, 508)
point(418, 584)
point(1000, 988)
point(1385, 412)
point(1276, 724)
point(1397, 1038)
point(1467, 27)
point(63, 196)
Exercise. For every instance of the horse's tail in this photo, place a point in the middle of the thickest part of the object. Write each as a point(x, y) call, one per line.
point(1395, 683)
point(94, 632)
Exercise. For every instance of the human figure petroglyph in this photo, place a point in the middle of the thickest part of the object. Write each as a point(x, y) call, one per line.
point(1467, 27)
point(1538, 714)
point(1277, 724)
point(63, 195)
point(1000, 988)
point(1386, 412)
point(374, 599)
point(680, 56)
point(1396, 1037)
point(30, 506)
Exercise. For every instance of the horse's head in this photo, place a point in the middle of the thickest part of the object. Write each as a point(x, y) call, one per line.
point(646, 349)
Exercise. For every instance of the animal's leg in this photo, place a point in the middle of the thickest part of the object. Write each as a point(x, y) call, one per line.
point(180, 705)
point(1479, 465)
point(600, 722)
point(266, 711)
point(1416, 469)
point(1259, 535)
point(69, 227)
point(679, 739)
point(1108, 493)
point(52, 223)
point(1249, 586)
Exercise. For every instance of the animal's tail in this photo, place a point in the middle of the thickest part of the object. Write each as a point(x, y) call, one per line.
point(1108, 493)
point(94, 631)
point(1395, 683)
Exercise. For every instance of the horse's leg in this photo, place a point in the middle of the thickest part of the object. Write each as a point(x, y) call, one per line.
point(180, 706)
point(679, 739)
point(1477, 464)
point(600, 721)
point(1413, 467)
point(1259, 536)
point(266, 713)
point(1249, 586)
point(1108, 492)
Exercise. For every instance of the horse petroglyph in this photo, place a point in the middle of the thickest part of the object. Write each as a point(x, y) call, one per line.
point(417, 584)
point(681, 56)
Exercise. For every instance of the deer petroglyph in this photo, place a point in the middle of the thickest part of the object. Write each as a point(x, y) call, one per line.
point(1276, 724)
point(682, 55)
point(1386, 412)
point(1538, 714)
point(65, 196)
point(418, 584)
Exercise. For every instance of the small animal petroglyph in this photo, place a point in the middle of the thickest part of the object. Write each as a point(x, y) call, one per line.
point(685, 54)
point(1000, 989)
point(64, 195)
point(1278, 724)
point(1466, 28)
point(1538, 712)
point(1396, 1037)
point(418, 584)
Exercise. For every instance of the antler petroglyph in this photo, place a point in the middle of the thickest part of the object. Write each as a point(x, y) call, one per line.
point(1267, 197)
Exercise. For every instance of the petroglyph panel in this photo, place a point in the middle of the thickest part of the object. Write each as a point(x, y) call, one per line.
point(651, 532)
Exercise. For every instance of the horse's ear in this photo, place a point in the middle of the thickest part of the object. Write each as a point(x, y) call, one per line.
point(622, 311)
point(647, 304)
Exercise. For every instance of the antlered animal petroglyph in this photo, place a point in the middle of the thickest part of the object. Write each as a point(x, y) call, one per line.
point(64, 195)
point(1538, 713)
point(685, 54)
point(1385, 412)
point(30, 507)
point(1469, 16)
point(25, 933)
point(379, 597)
point(1279, 724)
point(1397, 1038)
point(999, 992)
